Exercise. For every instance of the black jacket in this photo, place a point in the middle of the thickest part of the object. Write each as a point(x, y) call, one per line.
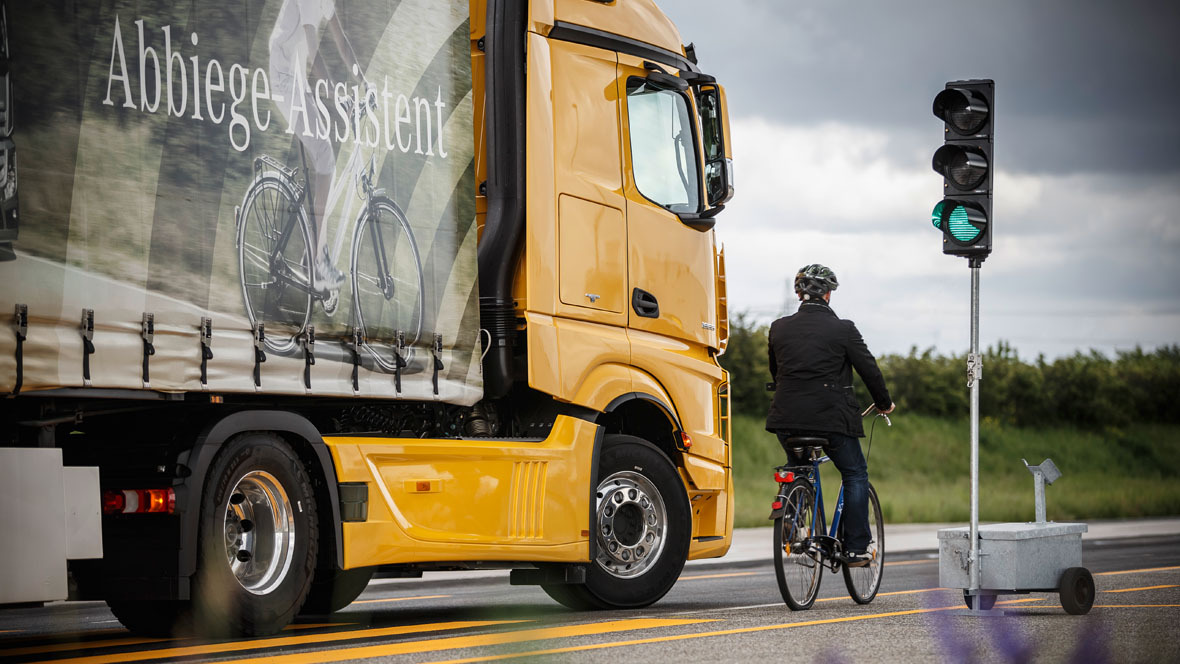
point(812, 354)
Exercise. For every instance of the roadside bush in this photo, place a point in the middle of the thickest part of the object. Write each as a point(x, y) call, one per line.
point(1086, 390)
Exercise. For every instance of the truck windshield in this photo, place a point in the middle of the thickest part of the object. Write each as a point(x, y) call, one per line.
point(663, 156)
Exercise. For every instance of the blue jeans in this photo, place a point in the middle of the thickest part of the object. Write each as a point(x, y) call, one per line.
point(844, 451)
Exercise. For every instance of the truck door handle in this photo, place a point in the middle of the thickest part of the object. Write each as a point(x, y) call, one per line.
point(645, 304)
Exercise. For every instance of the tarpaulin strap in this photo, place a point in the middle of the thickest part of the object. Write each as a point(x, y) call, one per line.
point(206, 348)
point(399, 360)
point(308, 339)
point(358, 338)
point(259, 352)
point(438, 363)
point(87, 343)
point(148, 331)
point(22, 331)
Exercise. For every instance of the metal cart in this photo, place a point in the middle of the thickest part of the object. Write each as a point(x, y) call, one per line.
point(1019, 558)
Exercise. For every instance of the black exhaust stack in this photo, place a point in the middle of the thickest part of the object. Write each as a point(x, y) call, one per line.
point(499, 249)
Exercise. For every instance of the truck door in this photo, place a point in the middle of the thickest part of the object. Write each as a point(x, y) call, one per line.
point(671, 286)
point(591, 230)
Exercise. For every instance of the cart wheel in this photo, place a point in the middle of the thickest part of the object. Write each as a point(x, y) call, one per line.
point(1077, 590)
point(986, 602)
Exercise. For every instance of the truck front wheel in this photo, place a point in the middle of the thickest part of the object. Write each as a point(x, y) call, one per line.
point(643, 527)
point(258, 538)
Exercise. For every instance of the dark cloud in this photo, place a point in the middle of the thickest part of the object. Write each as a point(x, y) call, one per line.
point(1082, 86)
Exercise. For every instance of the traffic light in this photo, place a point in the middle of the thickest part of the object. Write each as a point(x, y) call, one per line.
point(965, 162)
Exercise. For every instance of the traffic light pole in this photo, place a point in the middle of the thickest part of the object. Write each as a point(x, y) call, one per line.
point(974, 375)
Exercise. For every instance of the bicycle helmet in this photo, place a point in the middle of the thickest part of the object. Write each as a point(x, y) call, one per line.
point(814, 281)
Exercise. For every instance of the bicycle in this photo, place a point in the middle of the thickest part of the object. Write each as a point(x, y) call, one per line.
point(275, 246)
point(802, 550)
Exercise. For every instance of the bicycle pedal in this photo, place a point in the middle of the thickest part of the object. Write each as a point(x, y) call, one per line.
point(330, 303)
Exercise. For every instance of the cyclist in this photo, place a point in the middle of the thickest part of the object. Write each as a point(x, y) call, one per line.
point(293, 47)
point(812, 354)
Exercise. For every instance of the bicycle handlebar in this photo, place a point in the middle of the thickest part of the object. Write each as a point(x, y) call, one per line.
point(873, 407)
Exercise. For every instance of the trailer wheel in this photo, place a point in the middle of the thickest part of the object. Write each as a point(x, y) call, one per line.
point(258, 537)
point(151, 617)
point(1076, 590)
point(334, 589)
point(643, 529)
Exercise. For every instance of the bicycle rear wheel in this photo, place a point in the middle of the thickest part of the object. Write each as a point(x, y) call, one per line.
point(274, 261)
point(386, 279)
point(864, 582)
point(797, 564)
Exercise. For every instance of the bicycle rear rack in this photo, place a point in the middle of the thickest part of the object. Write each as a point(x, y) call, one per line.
point(267, 160)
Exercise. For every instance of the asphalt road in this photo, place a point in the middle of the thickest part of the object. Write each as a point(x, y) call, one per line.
point(722, 613)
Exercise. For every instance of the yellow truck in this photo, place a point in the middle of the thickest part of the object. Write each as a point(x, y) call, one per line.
point(305, 291)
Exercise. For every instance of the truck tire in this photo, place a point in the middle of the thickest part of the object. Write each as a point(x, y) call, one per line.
point(258, 539)
point(151, 617)
point(643, 529)
point(333, 589)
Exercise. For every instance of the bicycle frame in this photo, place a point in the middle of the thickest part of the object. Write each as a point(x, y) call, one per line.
point(345, 222)
point(821, 526)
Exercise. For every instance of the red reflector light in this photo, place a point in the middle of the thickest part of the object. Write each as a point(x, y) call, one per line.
point(139, 501)
point(776, 505)
point(113, 502)
point(785, 477)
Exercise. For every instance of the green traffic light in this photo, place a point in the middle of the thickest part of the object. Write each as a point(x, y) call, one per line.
point(965, 225)
point(960, 226)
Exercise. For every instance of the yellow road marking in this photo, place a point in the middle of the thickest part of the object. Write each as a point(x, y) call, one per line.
point(231, 646)
point(1135, 606)
point(1128, 590)
point(94, 644)
point(474, 641)
point(720, 576)
point(397, 599)
point(896, 592)
point(912, 562)
point(699, 635)
point(1134, 571)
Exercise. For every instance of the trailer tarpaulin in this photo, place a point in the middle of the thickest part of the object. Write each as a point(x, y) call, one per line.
point(269, 196)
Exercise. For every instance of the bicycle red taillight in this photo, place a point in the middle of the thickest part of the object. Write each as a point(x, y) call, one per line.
point(776, 505)
point(784, 476)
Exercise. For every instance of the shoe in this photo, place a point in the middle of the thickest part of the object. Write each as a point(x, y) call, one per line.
point(856, 559)
point(325, 276)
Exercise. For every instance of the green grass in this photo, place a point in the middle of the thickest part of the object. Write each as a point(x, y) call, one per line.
point(921, 469)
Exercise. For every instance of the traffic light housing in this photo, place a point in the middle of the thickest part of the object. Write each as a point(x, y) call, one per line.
point(965, 162)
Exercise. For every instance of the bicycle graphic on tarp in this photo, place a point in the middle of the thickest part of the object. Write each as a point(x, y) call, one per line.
point(276, 256)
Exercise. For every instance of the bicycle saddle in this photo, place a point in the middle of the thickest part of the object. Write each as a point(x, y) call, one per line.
point(806, 441)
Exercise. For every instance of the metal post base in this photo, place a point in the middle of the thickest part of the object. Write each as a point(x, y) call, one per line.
point(981, 613)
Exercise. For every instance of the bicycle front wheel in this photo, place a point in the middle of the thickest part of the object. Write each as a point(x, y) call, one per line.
point(797, 563)
point(864, 582)
point(386, 279)
point(274, 261)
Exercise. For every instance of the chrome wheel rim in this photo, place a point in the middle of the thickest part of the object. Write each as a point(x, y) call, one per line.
point(632, 524)
point(259, 528)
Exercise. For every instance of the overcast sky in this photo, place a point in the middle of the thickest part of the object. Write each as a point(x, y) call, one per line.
point(829, 102)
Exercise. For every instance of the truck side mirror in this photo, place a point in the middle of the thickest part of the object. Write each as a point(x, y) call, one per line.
point(715, 134)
